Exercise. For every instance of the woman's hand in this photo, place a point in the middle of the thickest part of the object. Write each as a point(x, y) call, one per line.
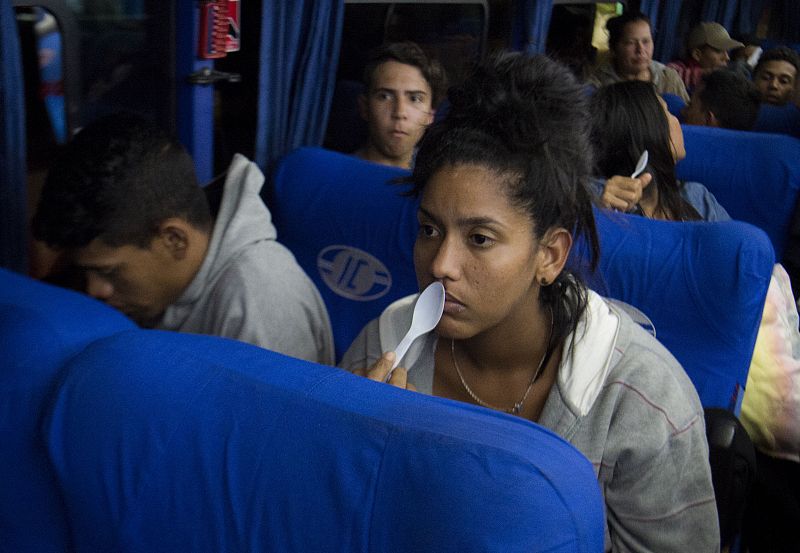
point(624, 193)
point(381, 368)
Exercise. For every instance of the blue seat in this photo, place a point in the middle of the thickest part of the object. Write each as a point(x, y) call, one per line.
point(41, 327)
point(755, 176)
point(176, 442)
point(778, 119)
point(351, 229)
point(703, 285)
point(675, 104)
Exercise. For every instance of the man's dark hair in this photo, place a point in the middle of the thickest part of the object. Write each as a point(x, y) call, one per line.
point(409, 53)
point(118, 180)
point(524, 118)
point(732, 98)
point(781, 53)
point(616, 26)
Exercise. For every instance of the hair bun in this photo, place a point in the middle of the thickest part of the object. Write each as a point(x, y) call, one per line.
point(519, 99)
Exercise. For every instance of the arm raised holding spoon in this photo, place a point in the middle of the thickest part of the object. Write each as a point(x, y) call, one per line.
point(427, 312)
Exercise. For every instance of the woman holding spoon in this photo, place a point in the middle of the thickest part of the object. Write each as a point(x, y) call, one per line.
point(629, 118)
point(502, 187)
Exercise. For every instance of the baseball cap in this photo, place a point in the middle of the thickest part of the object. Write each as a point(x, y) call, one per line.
point(712, 34)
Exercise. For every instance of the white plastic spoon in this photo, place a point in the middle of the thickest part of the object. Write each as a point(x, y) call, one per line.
point(641, 165)
point(427, 312)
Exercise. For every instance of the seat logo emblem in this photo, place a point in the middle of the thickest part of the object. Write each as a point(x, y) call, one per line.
point(353, 273)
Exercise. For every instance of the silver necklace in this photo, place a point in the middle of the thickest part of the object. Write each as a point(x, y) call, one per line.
point(517, 408)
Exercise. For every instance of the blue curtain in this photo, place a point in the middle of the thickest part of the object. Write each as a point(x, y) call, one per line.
point(650, 9)
point(740, 17)
point(785, 21)
point(13, 187)
point(531, 23)
point(721, 11)
point(299, 54)
point(749, 14)
point(667, 41)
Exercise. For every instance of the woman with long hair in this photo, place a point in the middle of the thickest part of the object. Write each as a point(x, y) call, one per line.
point(502, 183)
point(627, 119)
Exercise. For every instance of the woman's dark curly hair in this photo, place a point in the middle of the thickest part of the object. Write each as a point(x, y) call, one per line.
point(525, 119)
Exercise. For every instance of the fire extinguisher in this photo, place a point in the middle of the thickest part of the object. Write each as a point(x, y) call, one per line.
point(219, 28)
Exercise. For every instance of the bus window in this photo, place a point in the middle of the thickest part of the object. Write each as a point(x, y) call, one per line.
point(577, 35)
point(128, 42)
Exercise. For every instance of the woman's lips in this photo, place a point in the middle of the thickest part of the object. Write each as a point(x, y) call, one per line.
point(452, 305)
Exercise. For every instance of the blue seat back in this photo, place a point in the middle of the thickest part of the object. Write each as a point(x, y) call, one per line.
point(351, 229)
point(175, 442)
point(675, 104)
point(755, 176)
point(703, 285)
point(41, 326)
point(778, 119)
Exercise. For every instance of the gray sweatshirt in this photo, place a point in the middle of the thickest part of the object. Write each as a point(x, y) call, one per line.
point(624, 401)
point(249, 286)
point(665, 79)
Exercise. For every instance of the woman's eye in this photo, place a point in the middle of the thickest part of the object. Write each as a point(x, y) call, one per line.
point(481, 240)
point(428, 231)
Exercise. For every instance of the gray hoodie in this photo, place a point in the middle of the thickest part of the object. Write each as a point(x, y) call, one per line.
point(624, 401)
point(250, 287)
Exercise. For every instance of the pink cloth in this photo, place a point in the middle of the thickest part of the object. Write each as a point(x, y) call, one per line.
point(689, 71)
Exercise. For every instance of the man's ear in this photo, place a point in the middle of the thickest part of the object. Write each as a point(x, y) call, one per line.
point(174, 236)
point(711, 119)
point(363, 110)
point(431, 116)
point(554, 249)
point(695, 54)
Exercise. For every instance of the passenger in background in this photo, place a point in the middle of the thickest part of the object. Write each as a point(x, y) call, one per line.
point(627, 119)
point(723, 98)
point(776, 78)
point(403, 89)
point(502, 187)
point(776, 74)
point(123, 202)
point(744, 59)
point(630, 41)
point(706, 50)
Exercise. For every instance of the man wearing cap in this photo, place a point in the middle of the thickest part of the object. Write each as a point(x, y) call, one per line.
point(706, 50)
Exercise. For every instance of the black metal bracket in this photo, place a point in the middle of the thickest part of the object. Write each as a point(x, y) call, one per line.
point(207, 76)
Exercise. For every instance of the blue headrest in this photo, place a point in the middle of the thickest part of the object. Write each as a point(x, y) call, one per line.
point(41, 326)
point(703, 285)
point(675, 104)
point(351, 229)
point(754, 176)
point(176, 442)
point(778, 119)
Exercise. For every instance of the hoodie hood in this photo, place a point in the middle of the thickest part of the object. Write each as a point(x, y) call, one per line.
point(584, 366)
point(242, 220)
